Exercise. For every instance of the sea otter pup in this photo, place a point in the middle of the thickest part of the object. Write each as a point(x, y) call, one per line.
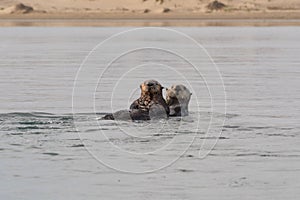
point(178, 98)
point(150, 105)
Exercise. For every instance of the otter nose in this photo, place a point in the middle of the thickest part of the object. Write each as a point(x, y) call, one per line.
point(150, 84)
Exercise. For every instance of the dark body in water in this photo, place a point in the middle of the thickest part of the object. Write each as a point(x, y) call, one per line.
point(150, 105)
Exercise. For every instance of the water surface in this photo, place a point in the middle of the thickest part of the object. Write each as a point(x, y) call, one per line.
point(257, 155)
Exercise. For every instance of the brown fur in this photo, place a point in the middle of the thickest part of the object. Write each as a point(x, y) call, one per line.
point(150, 105)
point(151, 97)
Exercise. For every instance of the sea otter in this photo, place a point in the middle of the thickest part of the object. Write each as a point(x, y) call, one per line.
point(150, 105)
point(178, 98)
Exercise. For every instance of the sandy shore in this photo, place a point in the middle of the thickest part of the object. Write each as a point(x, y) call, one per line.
point(150, 9)
point(153, 12)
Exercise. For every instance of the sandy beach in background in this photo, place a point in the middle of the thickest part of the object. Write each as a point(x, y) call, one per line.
point(150, 9)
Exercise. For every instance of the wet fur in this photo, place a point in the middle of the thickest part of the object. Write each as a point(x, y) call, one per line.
point(178, 98)
point(150, 105)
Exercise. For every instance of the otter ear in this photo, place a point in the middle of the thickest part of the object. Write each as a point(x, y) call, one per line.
point(162, 87)
point(141, 86)
point(167, 89)
point(191, 94)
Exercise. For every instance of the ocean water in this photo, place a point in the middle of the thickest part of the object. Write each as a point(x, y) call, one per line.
point(241, 139)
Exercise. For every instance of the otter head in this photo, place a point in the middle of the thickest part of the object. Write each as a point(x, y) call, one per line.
point(178, 98)
point(151, 87)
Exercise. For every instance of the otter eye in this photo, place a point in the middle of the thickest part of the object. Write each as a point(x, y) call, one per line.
point(150, 84)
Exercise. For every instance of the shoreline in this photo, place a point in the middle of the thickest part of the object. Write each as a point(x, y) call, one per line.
point(165, 19)
point(142, 23)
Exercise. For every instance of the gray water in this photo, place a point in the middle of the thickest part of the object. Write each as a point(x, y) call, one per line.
point(51, 150)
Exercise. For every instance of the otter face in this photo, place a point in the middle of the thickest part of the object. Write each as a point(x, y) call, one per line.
point(178, 98)
point(151, 87)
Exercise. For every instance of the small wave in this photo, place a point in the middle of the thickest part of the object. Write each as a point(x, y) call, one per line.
point(267, 155)
point(35, 115)
point(51, 153)
point(77, 145)
point(16, 133)
point(280, 135)
point(213, 138)
point(230, 126)
point(33, 121)
point(259, 127)
point(244, 129)
point(185, 170)
point(15, 144)
point(28, 127)
point(97, 129)
point(26, 114)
